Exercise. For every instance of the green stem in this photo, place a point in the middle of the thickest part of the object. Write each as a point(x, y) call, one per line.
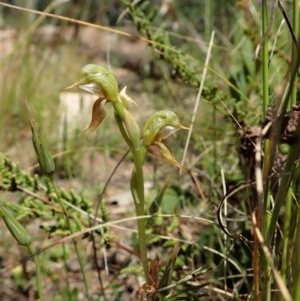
point(139, 177)
point(122, 129)
point(265, 60)
point(295, 58)
point(137, 190)
point(295, 53)
point(296, 263)
point(37, 270)
point(80, 260)
point(131, 134)
point(264, 265)
point(286, 236)
point(67, 278)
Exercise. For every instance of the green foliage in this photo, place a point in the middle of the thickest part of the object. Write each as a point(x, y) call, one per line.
point(105, 214)
point(15, 179)
point(67, 295)
point(60, 253)
point(131, 270)
point(159, 40)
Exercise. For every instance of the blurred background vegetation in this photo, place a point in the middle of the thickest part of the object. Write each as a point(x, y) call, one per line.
point(157, 49)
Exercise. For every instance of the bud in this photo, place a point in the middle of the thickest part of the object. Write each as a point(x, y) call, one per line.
point(158, 127)
point(45, 160)
point(15, 228)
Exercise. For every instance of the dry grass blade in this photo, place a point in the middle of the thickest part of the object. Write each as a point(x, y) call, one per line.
point(282, 287)
point(193, 275)
point(221, 223)
point(198, 98)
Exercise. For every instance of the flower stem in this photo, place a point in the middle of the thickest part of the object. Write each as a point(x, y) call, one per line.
point(137, 190)
point(131, 134)
point(37, 270)
point(80, 260)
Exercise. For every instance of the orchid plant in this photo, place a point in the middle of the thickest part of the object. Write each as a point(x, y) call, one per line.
point(99, 81)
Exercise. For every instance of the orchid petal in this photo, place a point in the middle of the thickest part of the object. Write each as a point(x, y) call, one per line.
point(98, 114)
point(167, 154)
point(125, 99)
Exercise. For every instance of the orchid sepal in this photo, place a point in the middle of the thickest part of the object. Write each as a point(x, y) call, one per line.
point(97, 80)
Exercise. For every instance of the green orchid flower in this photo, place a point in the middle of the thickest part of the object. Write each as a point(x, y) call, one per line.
point(97, 80)
point(158, 127)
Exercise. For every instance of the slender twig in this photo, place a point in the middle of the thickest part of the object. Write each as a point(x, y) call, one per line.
point(259, 190)
point(221, 223)
point(275, 41)
point(263, 287)
point(225, 236)
point(192, 276)
point(198, 97)
point(107, 183)
point(292, 32)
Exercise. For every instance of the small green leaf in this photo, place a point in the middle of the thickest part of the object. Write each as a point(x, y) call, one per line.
point(167, 275)
point(156, 204)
